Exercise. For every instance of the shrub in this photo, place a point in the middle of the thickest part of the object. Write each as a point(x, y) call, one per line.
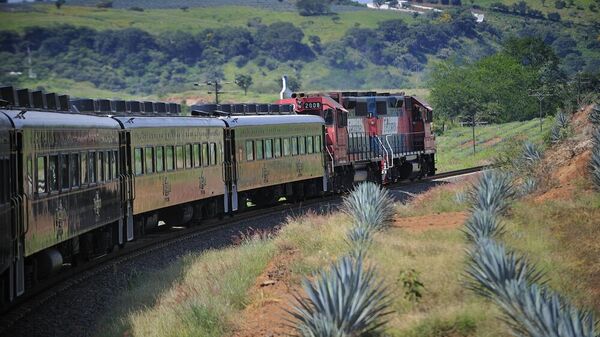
point(482, 224)
point(492, 192)
point(347, 300)
point(370, 206)
point(413, 287)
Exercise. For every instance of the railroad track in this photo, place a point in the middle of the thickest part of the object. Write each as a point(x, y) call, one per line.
point(48, 289)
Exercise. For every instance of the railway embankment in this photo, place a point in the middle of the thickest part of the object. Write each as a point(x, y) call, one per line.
point(248, 289)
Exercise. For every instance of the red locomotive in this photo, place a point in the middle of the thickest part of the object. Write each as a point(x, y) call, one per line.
point(372, 136)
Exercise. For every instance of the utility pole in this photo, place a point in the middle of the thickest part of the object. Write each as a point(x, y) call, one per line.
point(540, 94)
point(217, 87)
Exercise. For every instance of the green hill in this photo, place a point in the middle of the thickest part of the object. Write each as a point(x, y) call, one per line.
point(355, 48)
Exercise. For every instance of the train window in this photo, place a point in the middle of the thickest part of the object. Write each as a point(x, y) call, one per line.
point(342, 119)
point(74, 169)
point(52, 173)
point(361, 109)
point(286, 147)
point(169, 158)
point(106, 172)
point(64, 172)
point(41, 174)
point(92, 167)
point(188, 155)
point(259, 149)
point(249, 150)
point(100, 167)
point(160, 162)
point(277, 150)
point(205, 154)
point(139, 167)
point(268, 148)
point(213, 153)
point(318, 144)
point(149, 159)
point(301, 145)
point(294, 146)
point(329, 117)
point(309, 144)
point(113, 165)
point(84, 169)
point(381, 107)
point(179, 156)
point(196, 155)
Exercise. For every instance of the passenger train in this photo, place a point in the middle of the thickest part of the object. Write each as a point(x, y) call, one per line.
point(80, 177)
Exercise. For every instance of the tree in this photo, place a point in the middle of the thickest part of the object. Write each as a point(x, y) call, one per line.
point(315, 42)
point(244, 82)
point(59, 3)
point(530, 51)
point(554, 16)
point(312, 7)
point(105, 4)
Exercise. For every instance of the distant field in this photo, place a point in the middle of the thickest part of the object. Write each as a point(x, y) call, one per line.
point(455, 147)
point(192, 20)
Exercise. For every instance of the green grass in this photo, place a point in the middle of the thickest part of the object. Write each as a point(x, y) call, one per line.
point(193, 20)
point(561, 237)
point(455, 149)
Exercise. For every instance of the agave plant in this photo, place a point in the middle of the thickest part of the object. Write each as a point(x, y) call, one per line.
point(491, 267)
point(359, 239)
point(531, 153)
point(532, 310)
point(528, 185)
point(492, 192)
point(482, 224)
point(562, 120)
point(370, 206)
point(596, 137)
point(595, 166)
point(345, 301)
point(594, 116)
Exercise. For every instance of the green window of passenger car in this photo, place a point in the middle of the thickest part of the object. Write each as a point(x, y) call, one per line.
point(249, 150)
point(302, 145)
point(139, 167)
point(205, 154)
point(84, 168)
point(179, 156)
point(259, 149)
point(277, 150)
point(92, 166)
point(318, 144)
point(41, 174)
point(294, 146)
point(213, 154)
point(100, 166)
point(160, 160)
point(196, 151)
point(188, 155)
point(53, 173)
point(149, 159)
point(170, 158)
point(268, 148)
point(286, 147)
point(64, 172)
point(107, 172)
point(74, 169)
point(115, 167)
point(309, 144)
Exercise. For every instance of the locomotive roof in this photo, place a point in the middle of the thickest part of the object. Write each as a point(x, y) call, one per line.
point(5, 122)
point(235, 121)
point(46, 119)
point(132, 122)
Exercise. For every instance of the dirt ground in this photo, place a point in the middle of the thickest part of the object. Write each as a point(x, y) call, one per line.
point(449, 220)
